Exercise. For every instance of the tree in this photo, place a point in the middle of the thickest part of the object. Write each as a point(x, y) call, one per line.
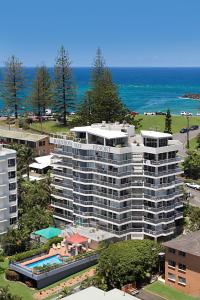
point(64, 85)
point(192, 217)
point(168, 122)
point(41, 97)
point(5, 294)
point(13, 84)
point(127, 262)
point(102, 102)
point(191, 164)
point(131, 118)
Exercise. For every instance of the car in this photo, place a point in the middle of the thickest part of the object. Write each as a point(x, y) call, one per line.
point(185, 113)
point(193, 185)
point(198, 114)
point(149, 113)
point(194, 127)
point(183, 130)
point(160, 113)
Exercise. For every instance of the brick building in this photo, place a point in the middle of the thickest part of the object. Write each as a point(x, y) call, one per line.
point(38, 142)
point(182, 263)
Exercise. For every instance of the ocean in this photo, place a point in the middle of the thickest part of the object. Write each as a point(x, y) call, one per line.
point(142, 89)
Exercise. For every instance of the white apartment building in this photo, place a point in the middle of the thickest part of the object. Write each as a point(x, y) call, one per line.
point(107, 177)
point(8, 189)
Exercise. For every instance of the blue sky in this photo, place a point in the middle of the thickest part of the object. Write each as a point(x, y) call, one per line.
point(130, 32)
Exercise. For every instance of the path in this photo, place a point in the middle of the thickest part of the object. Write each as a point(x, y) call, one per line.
point(182, 137)
point(145, 295)
point(194, 200)
point(68, 283)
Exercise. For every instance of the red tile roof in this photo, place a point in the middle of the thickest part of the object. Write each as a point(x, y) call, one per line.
point(76, 239)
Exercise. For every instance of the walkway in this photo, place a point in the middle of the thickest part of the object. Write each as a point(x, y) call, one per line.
point(76, 279)
point(145, 295)
point(182, 137)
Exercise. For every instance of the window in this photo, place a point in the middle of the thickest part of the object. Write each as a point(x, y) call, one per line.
point(171, 277)
point(13, 209)
point(182, 267)
point(11, 174)
point(11, 162)
point(172, 250)
point(12, 198)
point(172, 263)
point(181, 253)
point(182, 280)
point(12, 186)
point(13, 221)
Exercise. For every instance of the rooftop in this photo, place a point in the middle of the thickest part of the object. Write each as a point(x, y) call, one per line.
point(155, 134)
point(42, 162)
point(189, 243)
point(21, 135)
point(76, 238)
point(48, 233)
point(94, 234)
point(97, 294)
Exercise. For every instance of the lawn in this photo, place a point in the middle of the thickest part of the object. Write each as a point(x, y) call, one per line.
point(16, 288)
point(167, 292)
point(49, 127)
point(193, 143)
point(158, 122)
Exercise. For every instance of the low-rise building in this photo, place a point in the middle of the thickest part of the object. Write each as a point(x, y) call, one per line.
point(182, 263)
point(38, 142)
point(8, 189)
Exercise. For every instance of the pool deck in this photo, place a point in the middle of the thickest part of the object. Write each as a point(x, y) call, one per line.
point(62, 251)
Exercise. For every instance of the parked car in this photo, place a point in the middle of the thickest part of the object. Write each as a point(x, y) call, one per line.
point(194, 127)
point(185, 113)
point(198, 114)
point(193, 185)
point(160, 113)
point(149, 113)
point(183, 130)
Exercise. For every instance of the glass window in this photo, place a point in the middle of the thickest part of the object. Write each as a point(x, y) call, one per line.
point(13, 209)
point(181, 253)
point(181, 280)
point(12, 198)
point(172, 263)
point(11, 162)
point(182, 267)
point(11, 174)
point(171, 250)
point(12, 186)
point(171, 277)
point(13, 221)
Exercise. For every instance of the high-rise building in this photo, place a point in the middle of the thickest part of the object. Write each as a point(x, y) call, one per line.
point(108, 177)
point(8, 189)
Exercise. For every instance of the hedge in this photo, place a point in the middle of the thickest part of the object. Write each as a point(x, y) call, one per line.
point(11, 275)
point(37, 251)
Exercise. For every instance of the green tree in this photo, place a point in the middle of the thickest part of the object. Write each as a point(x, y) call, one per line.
point(192, 217)
point(127, 262)
point(13, 84)
point(102, 102)
point(168, 122)
point(41, 97)
point(5, 294)
point(64, 86)
point(131, 118)
point(191, 164)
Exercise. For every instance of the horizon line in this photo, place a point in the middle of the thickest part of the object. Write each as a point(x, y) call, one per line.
point(36, 66)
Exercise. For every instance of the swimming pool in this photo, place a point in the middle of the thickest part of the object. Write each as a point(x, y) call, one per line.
point(55, 259)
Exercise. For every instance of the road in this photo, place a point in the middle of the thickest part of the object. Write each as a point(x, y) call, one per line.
point(194, 200)
point(182, 137)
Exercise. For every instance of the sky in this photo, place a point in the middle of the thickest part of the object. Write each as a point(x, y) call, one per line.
point(131, 33)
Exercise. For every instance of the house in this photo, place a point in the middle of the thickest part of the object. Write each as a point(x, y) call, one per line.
point(38, 142)
point(182, 263)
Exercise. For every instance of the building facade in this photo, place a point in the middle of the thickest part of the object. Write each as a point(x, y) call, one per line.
point(8, 189)
point(182, 263)
point(38, 142)
point(108, 177)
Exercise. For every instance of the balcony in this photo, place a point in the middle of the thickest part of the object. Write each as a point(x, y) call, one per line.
point(164, 173)
point(162, 162)
point(157, 233)
point(60, 204)
point(61, 152)
point(158, 221)
point(66, 217)
point(62, 195)
point(170, 196)
point(61, 173)
point(102, 159)
point(158, 186)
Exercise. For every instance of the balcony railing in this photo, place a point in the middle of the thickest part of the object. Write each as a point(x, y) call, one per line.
point(161, 220)
point(159, 174)
point(162, 162)
point(67, 217)
point(60, 204)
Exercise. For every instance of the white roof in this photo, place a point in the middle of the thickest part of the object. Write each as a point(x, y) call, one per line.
point(97, 294)
point(105, 133)
point(41, 162)
point(155, 134)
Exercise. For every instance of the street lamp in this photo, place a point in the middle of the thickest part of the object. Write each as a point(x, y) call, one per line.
point(188, 126)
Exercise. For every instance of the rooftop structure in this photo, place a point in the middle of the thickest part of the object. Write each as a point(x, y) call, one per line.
point(109, 178)
point(97, 294)
point(48, 233)
point(8, 189)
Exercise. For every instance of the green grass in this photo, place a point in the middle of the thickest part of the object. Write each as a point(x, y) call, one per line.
point(16, 288)
point(193, 144)
point(49, 127)
point(167, 292)
point(158, 122)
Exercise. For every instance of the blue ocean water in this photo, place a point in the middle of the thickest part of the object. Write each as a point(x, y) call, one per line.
point(143, 89)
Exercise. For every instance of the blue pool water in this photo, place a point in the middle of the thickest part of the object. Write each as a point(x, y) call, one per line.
point(55, 259)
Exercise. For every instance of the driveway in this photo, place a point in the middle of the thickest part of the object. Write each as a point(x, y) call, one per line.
point(145, 295)
point(194, 200)
point(182, 137)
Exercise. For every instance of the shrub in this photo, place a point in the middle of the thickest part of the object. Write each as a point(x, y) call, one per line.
point(11, 275)
point(29, 283)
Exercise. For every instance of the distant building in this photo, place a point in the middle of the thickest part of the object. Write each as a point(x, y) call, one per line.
point(8, 189)
point(40, 167)
point(38, 142)
point(110, 178)
point(95, 293)
point(182, 263)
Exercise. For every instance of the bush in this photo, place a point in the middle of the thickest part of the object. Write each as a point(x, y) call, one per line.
point(11, 275)
point(29, 283)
